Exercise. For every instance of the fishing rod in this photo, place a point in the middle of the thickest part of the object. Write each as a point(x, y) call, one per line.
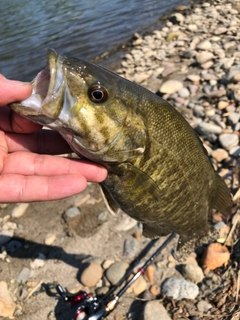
point(88, 307)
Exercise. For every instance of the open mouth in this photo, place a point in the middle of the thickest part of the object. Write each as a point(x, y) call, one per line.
point(46, 86)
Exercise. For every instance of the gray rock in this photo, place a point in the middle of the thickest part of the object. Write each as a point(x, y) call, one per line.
point(203, 306)
point(228, 140)
point(154, 310)
point(233, 118)
point(116, 271)
point(130, 247)
point(72, 212)
point(192, 272)
point(24, 275)
point(179, 289)
point(168, 70)
point(184, 93)
point(204, 45)
point(205, 128)
point(235, 151)
point(199, 111)
point(204, 56)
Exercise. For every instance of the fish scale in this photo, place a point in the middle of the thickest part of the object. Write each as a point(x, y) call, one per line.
point(158, 170)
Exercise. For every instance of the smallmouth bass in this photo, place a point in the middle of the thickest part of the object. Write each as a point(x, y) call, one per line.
point(158, 170)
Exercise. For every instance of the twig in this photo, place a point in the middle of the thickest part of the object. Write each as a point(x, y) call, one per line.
point(237, 220)
point(34, 289)
point(238, 285)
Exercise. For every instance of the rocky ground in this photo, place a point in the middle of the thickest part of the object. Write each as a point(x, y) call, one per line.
point(194, 63)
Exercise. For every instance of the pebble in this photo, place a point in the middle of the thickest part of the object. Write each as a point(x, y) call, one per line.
point(233, 118)
point(73, 212)
point(127, 223)
point(19, 210)
point(171, 86)
point(192, 272)
point(179, 289)
point(195, 78)
point(204, 45)
point(116, 271)
point(184, 93)
point(204, 128)
point(152, 311)
point(215, 255)
point(149, 273)
point(235, 151)
point(204, 57)
point(130, 248)
point(139, 286)
point(38, 262)
point(24, 275)
point(203, 306)
point(228, 140)
point(220, 154)
point(49, 239)
point(7, 304)
point(107, 263)
point(168, 70)
point(154, 289)
point(91, 275)
point(222, 104)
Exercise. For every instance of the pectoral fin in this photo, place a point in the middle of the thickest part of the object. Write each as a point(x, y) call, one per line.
point(111, 205)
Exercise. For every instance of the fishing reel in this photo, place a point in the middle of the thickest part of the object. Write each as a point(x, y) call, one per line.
point(87, 307)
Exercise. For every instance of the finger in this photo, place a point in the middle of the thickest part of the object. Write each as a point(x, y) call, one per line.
point(42, 141)
point(17, 188)
point(11, 90)
point(13, 122)
point(29, 164)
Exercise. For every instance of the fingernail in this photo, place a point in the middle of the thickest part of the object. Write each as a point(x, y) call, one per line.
point(20, 83)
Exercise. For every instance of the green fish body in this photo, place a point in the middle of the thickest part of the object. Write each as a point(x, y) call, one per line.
point(158, 170)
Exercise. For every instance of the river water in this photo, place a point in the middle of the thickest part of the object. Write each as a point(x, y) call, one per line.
point(80, 28)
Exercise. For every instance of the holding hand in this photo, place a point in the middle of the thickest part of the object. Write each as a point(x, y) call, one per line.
point(25, 174)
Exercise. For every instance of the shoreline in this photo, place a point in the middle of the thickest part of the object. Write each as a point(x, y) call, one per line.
point(193, 61)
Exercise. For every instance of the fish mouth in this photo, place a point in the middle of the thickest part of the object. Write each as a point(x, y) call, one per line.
point(47, 92)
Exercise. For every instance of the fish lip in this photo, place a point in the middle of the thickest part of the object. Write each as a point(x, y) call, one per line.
point(45, 87)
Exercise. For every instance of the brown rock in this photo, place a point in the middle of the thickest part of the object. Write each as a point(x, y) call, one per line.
point(220, 154)
point(7, 305)
point(215, 255)
point(91, 275)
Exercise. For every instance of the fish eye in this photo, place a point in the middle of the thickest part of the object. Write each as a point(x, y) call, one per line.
point(97, 93)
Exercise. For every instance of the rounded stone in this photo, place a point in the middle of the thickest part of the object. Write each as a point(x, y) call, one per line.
point(220, 154)
point(204, 56)
point(139, 286)
point(179, 289)
point(228, 140)
point(116, 271)
point(91, 275)
point(192, 272)
point(152, 311)
point(184, 93)
point(20, 210)
point(204, 45)
point(171, 86)
point(205, 128)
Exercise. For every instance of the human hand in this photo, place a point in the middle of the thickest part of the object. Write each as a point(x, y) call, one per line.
point(25, 174)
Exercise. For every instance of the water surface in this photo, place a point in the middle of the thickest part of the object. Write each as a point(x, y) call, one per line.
point(83, 29)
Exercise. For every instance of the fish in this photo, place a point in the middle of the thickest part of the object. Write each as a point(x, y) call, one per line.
point(159, 172)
